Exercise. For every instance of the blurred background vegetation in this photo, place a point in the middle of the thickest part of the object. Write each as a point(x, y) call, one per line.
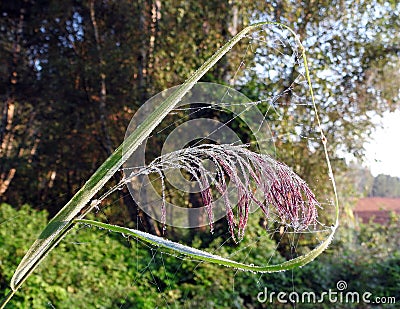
point(72, 75)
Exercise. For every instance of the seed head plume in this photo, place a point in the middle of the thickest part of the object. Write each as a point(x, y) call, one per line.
point(256, 178)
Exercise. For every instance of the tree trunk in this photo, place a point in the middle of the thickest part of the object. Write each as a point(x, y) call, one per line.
point(7, 173)
point(107, 145)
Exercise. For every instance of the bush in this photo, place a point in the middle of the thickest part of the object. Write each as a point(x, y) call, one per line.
point(90, 269)
point(94, 268)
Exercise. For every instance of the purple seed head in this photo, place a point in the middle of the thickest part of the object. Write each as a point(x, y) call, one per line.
point(256, 178)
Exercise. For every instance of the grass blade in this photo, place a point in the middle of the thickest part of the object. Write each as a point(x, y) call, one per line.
point(212, 258)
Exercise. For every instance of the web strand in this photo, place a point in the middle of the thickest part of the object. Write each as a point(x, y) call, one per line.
point(273, 59)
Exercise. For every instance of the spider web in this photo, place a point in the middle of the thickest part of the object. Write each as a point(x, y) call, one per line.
point(268, 68)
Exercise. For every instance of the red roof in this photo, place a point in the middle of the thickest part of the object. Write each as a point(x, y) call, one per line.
point(377, 207)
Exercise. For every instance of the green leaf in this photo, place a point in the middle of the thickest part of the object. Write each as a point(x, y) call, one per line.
point(212, 258)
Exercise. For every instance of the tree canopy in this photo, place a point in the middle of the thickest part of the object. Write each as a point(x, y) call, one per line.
point(73, 73)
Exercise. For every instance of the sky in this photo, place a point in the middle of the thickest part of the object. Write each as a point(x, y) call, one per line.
point(383, 152)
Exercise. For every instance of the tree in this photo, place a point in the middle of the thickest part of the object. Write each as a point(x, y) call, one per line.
point(19, 136)
point(353, 52)
point(385, 186)
point(90, 64)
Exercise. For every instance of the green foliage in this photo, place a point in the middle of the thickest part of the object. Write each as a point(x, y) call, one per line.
point(386, 186)
point(17, 230)
point(91, 269)
point(369, 258)
point(97, 269)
